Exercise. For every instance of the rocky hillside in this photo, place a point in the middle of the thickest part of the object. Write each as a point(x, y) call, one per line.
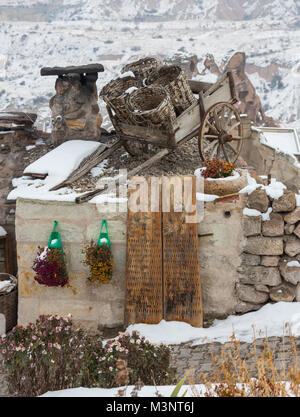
point(148, 10)
point(74, 32)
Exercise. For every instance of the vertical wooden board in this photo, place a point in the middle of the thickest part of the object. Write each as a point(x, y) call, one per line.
point(181, 272)
point(143, 303)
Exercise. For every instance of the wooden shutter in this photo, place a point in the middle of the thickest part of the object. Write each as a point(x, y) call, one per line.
point(143, 267)
point(181, 272)
point(162, 267)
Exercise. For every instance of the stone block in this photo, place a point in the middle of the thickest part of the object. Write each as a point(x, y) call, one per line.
point(289, 228)
point(250, 295)
point(262, 288)
point(260, 245)
point(257, 275)
point(293, 217)
point(273, 227)
point(297, 231)
point(252, 225)
point(258, 200)
point(270, 260)
point(244, 307)
point(297, 292)
point(287, 202)
point(283, 292)
point(292, 246)
point(250, 260)
point(290, 274)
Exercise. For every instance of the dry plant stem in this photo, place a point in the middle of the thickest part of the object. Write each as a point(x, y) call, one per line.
point(231, 376)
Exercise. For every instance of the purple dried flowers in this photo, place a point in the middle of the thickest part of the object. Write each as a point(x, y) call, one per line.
point(50, 267)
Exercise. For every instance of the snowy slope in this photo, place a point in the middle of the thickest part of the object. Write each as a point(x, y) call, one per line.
point(110, 32)
point(158, 9)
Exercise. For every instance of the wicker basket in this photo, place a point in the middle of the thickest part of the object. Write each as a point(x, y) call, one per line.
point(143, 67)
point(151, 106)
point(173, 79)
point(114, 94)
point(9, 302)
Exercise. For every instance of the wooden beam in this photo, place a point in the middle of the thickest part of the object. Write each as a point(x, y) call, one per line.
point(38, 176)
point(81, 69)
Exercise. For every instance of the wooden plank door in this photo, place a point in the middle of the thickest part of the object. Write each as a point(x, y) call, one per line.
point(162, 266)
point(181, 271)
point(143, 303)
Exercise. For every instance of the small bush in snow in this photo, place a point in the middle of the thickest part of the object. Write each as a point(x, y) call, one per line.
point(51, 355)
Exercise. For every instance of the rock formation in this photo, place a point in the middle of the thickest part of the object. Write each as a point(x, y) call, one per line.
point(249, 102)
point(75, 110)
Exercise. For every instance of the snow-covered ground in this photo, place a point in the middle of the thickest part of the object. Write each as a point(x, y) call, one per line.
point(271, 320)
point(147, 391)
point(197, 390)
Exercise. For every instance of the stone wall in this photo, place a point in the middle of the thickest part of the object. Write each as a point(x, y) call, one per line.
point(198, 358)
point(12, 150)
point(221, 242)
point(265, 274)
point(92, 306)
point(220, 246)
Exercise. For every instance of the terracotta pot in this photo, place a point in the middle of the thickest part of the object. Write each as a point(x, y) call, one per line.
point(226, 186)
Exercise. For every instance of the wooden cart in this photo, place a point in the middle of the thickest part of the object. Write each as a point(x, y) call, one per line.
point(213, 118)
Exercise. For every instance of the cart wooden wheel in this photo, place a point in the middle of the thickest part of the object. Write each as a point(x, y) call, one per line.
point(220, 134)
point(136, 148)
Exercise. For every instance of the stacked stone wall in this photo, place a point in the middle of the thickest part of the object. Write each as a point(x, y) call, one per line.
point(270, 267)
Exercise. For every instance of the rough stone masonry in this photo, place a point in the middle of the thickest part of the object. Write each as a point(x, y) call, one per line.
point(270, 270)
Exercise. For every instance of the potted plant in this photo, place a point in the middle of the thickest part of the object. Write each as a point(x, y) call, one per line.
point(221, 178)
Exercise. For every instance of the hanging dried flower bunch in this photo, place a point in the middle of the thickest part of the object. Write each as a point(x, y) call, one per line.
point(214, 168)
point(100, 260)
point(50, 268)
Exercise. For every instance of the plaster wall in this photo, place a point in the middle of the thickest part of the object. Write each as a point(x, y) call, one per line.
point(102, 307)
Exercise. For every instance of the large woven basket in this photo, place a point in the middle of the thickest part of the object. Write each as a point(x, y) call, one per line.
point(9, 302)
point(151, 106)
point(173, 79)
point(114, 94)
point(143, 67)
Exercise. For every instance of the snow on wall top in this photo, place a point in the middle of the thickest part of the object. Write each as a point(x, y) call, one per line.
point(61, 161)
point(284, 140)
point(58, 164)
